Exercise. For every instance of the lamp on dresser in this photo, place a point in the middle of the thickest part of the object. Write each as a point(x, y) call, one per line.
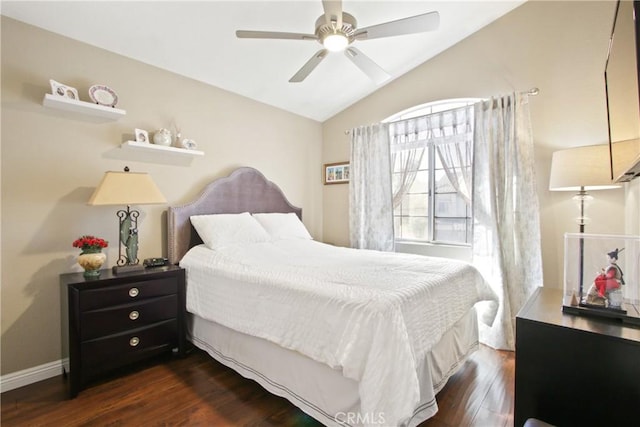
point(581, 169)
point(127, 188)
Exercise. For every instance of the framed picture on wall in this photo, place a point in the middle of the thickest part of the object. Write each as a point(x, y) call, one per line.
point(336, 173)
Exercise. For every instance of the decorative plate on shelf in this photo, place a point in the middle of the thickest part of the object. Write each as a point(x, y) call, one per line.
point(103, 95)
point(189, 144)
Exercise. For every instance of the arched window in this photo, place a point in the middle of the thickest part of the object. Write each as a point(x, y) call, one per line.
point(432, 146)
point(431, 108)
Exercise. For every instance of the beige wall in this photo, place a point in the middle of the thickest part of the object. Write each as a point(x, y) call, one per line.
point(52, 161)
point(559, 47)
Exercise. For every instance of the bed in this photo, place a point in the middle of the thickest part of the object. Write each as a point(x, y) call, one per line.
point(351, 337)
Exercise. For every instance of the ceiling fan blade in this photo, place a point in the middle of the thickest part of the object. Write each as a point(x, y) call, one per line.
point(415, 24)
point(243, 34)
point(370, 68)
point(333, 11)
point(309, 66)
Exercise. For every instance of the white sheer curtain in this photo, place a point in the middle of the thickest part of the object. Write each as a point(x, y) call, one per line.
point(451, 133)
point(370, 197)
point(506, 235)
point(408, 142)
point(456, 158)
point(408, 163)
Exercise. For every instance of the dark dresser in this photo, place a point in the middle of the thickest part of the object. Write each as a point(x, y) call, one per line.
point(573, 370)
point(116, 320)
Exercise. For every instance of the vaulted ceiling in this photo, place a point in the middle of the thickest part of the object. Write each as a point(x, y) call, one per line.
point(197, 40)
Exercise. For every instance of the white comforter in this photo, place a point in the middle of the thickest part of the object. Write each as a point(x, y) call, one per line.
point(371, 314)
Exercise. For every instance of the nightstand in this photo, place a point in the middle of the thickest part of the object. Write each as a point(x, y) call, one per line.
point(573, 370)
point(116, 320)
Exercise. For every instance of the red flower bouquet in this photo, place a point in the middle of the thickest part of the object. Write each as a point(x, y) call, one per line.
point(90, 244)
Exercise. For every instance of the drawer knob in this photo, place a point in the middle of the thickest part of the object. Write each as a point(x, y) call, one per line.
point(134, 341)
point(134, 315)
point(133, 292)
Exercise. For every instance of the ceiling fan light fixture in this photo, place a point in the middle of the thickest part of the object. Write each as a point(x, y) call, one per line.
point(335, 42)
point(336, 30)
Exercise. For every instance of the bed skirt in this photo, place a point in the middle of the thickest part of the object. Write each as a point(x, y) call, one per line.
point(317, 389)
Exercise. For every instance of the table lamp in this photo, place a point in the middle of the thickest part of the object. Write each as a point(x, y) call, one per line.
point(581, 169)
point(127, 188)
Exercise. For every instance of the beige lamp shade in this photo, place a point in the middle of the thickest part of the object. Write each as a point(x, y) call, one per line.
point(581, 168)
point(126, 188)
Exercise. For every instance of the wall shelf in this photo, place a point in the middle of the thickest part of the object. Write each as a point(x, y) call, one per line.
point(96, 110)
point(134, 145)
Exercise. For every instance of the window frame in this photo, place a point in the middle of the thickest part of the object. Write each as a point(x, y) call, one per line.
point(418, 111)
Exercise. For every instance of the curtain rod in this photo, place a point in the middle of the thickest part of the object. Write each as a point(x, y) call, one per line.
point(531, 92)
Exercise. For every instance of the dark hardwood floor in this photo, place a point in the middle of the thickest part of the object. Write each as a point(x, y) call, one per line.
point(198, 391)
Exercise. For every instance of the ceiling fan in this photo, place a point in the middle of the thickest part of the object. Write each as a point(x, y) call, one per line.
point(336, 30)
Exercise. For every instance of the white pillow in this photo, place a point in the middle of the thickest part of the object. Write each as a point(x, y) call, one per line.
point(220, 230)
point(283, 225)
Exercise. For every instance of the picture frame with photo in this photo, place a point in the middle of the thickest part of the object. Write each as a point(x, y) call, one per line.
point(63, 90)
point(142, 136)
point(336, 173)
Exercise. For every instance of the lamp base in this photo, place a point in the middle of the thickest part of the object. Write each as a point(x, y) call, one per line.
point(128, 268)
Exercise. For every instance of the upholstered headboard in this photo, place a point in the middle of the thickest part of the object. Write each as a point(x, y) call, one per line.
point(245, 190)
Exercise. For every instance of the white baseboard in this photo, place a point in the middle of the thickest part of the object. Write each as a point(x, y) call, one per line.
point(32, 375)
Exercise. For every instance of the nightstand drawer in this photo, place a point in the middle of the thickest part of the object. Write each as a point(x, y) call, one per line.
point(110, 320)
point(121, 294)
point(124, 348)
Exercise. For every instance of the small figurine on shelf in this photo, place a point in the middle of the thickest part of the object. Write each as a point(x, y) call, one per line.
point(606, 288)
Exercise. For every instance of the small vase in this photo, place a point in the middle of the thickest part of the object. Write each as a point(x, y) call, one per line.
point(162, 137)
point(91, 262)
